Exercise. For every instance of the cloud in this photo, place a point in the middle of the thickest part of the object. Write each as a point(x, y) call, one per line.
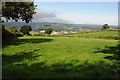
point(48, 16)
point(61, 17)
point(90, 19)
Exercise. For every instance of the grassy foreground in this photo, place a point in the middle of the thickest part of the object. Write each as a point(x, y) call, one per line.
point(60, 57)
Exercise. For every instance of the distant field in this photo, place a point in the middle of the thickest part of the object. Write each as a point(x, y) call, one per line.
point(99, 34)
point(60, 57)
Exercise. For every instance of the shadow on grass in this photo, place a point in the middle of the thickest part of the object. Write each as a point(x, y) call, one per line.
point(23, 41)
point(19, 57)
point(95, 71)
point(115, 50)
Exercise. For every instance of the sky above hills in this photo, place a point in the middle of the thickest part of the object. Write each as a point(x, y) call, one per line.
point(77, 12)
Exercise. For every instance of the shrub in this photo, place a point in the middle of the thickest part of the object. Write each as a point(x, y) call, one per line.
point(6, 35)
point(105, 27)
point(15, 31)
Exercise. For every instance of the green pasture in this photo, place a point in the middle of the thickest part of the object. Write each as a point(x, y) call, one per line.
point(99, 34)
point(60, 57)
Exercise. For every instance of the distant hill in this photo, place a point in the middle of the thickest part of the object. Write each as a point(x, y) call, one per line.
point(57, 26)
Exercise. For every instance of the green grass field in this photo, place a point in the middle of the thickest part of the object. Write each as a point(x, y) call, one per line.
point(99, 34)
point(60, 57)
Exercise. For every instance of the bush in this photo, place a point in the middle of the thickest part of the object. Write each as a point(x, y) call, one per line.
point(6, 35)
point(15, 31)
point(33, 33)
point(105, 27)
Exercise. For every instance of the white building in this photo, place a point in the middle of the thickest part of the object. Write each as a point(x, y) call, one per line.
point(55, 33)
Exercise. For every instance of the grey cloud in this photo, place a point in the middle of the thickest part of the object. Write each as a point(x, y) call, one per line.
point(48, 16)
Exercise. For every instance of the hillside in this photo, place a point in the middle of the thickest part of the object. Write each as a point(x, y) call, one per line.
point(58, 26)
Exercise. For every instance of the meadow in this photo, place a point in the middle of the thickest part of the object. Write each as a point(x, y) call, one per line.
point(60, 57)
point(78, 52)
point(102, 34)
point(97, 34)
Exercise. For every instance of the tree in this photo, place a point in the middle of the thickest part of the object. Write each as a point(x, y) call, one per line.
point(48, 31)
point(105, 27)
point(18, 10)
point(25, 29)
point(15, 11)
